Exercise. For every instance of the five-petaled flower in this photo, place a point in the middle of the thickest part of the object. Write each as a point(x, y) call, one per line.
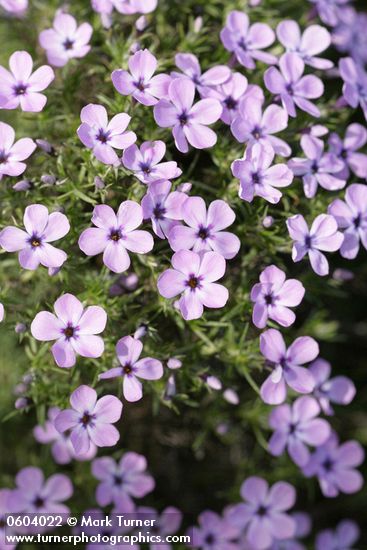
point(12, 154)
point(339, 389)
point(163, 207)
point(308, 45)
point(190, 67)
point(343, 537)
point(90, 420)
point(145, 162)
point(355, 83)
point(128, 350)
point(115, 234)
point(74, 329)
point(33, 244)
point(346, 150)
point(20, 87)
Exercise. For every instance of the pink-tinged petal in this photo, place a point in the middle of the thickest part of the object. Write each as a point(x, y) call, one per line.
point(188, 63)
point(212, 267)
point(194, 212)
point(93, 320)
point(350, 454)
point(123, 82)
point(115, 257)
point(315, 40)
point(103, 468)
point(50, 256)
point(171, 283)
point(130, 215)
point(68, 308)
point(85, 134)
point(310, 87)
point(305, 408)
point(340, 390)
point(128, 350)
point(300, 379)
point(220, 215)
point(349, 481)
point(21, 65)
point(132, 158)
point(213, 295)
point(319, 263)
point(66, 420)
point(216, 75)
point(159, 85)
point(83, 399)
point(291, 294)
point(132, 388)
point(88, 345)
point(108, 409)
point(63, 354)
point(122, 141)
point(292, 67)
point(186, 262)
point(13, 239)
point(258, 534)
point(312, 147)
point(46, 326)
point(273, 393)
point(165, 114)
point(182, 93)
point(282, 526)
point(299, 251)
point(35, 219)
point(149, 369)
point(206, 111)
point(104, 217)
point(104, 153)
point(275, 119)
point(83, 34)
point(118, 124)
point(29, 258)
point(58, 488)
point(180, 138)
point(200, 136)
point(274, 276)
point(350, 245)
point(80, 440)
point(260, 36)
point(278, 443)
point(140, 242)
point(289, 34)
point(297, 227)
point(93, 241)
point(274, 81)
point(33, 102)
point(104, 435)
point(260, 315)
point(22, 149)
point(181, 237)
point(142, 65)
point(190, 305)
point(303, 350)
point(94, 115)
point(226, 244)
point(41, 79)
point(111, 373)
point(307, 106)
point(57, 227)
point(316, 432)
point(272, 345)
point(356, 197)
point(254, 490)
point(282, 315)
point(282, 496)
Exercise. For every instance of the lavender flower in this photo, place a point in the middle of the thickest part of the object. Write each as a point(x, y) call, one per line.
point(351, 217)
point(295, 427)
point(65, 40)
point(188, 122)
point(36, 495)
point(313, 41)
point(213, 533)
point(11, 154)
point(318, 168)
point(128, 350)
point(73, 328)
point(102, 136)
point(273, 296)
point(163, 207)
point(62, 449)
point(330, 10)
point(190, 67)
point(247, 41)
point(286, 364)
point(258, 177)
point(339, 389)
point(343, 537)
point(204, 231)
point(90, 420)
point(230, 94)
point(15, 7)
point(145, 162)
point(294, 88)
point(122, 481)
point(334, 465)
point(33, 244)
point(193, 276)
point(323, 235)
point(141, 84)
point(355, 84)
point(255, 126)
point(20, 87)
point(115, 234)
point(346, 151)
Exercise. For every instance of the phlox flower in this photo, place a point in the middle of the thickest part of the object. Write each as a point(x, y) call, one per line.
point(140, 82)
point(296, 426)
point(330, 11)
point(286, 364)
point(343, 537)
point(214, 533)
point(90, 420)
point(273, 296)
point(334, 466)
point(122, 481)
point(65, 40)
point(339, 389)
point(189, 64)
point(247, 41)
point(11, 154)
point(303, 529)
point(36, 495)
point(19, 87)
point(188, 122)
point(231, 93)
point(318, 168)
point(323, 236)
point(16, 7)
point(346, 151)
point(294, 89)
point(204, 229)
point(163, 207)
point(355, 84)
point(62, 449)
point(308, 45)
point(193, 277)
point(102, 136)
point(145, 162)
point(165, 523)
point(263, 515)
point(115, 234)
point(74, 329)
point(253, 125)
point(33, 244)
point(351, 217)
point(257, 175)
point(131, 368)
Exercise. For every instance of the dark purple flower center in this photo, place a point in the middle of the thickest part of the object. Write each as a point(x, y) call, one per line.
point(3, 157)
point(35, 241)
point(292, 428)
point(159, 212)
point(103, 136)
point(289, 88)
point(115, 235)
point(242, 44)
point(269, 299)
point(308, 241)
point(256, 178)
point(20, 89)
point(328, 464)
point(256, 132)
point(68, 44)
point(314, 167)
point(210, 539)
point(118, 479)
point(127, 368)
point(203, 233)
point(343, 154)
point(140, 85)
point(183, 118)
point(145, 167)
point(230, 103)
point(262, 510)
point(69, 331)
point(193, 282)
point(357, 221)
point(38, 502)
point(87, 419)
